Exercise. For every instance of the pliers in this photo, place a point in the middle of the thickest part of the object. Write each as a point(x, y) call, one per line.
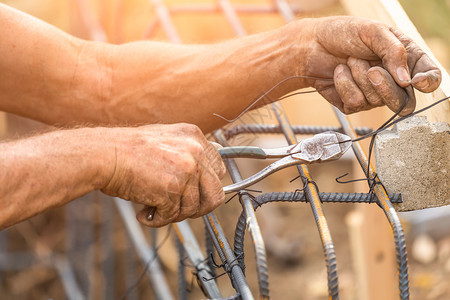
point(326, 146)
point(322, 147)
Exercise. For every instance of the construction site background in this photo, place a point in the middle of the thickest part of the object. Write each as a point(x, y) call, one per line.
point(297, 261)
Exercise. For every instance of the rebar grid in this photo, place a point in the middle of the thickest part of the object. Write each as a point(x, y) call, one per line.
point(234, 260)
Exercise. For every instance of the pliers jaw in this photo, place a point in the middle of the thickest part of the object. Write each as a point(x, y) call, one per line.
point(324, 146)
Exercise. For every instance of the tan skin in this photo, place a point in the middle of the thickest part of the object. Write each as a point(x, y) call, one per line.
point(55, 78)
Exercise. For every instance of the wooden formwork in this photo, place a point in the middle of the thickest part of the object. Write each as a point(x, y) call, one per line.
point(372, 241)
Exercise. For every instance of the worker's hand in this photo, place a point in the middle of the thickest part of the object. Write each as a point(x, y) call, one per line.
point(371, 64)
point(171, 167)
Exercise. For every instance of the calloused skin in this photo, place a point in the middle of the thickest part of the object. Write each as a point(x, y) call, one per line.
point(50, 76)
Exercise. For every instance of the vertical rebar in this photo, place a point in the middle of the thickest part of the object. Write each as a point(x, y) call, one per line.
point(312, 195)
point(163, 14)
point(386, 205)
point(209, 245)
point(182, 285)
point(227, 256)
point(254, 230)
point(68, 280)
point(192, 249)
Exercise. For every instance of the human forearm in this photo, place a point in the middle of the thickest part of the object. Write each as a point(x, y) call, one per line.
point(46, 74)
point(157, 82)
point(50, 170)
point(356, 64)
point(171, 167)
point(67, 81)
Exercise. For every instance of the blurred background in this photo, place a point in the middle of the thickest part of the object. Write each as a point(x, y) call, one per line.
point(89, 230)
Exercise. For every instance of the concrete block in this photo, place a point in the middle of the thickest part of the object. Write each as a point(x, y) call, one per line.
point(413, 158)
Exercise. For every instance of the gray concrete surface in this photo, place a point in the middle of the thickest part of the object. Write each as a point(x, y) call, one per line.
point(413, 158)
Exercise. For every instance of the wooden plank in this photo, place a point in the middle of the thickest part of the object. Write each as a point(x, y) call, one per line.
point(373, 262)
point(368, 225)
point(392, 13)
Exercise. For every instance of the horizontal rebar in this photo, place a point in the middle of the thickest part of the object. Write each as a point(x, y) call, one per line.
point(270, 128)
point(325, 197)
point(299, 197)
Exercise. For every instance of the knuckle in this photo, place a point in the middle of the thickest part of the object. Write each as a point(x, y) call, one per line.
point(192, 129)
point(195, 149)
point(373, 99)
point(354, 104)
point(398, 49)
point(222, 169)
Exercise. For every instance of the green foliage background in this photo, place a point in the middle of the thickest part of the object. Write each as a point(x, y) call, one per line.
point(432, 19)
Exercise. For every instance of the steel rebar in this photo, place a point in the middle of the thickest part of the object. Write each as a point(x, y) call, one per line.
point(269, 129)
point(300, 197)
point(251, 222)
point(192, 249)
point(312, 195)
point(386, 205)
point(227, 256)
point(182, 284)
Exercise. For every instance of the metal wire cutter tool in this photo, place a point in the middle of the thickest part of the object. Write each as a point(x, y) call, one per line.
point(322, 147)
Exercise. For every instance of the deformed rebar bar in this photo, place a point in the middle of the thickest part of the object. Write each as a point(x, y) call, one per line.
point(300, 197)
point(182, 284)
point(312, 195)
point(270, 128)
point(386, 205)
point(324, 197)
point(192, 249)
point(251, 222)
point(227, 256)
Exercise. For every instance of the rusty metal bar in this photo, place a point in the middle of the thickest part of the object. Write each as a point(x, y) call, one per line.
point(312, 195)
point(215, 8)
point(252, 224)
point(254, 230)
point(164, 18)
point(238, 278)
point(386, 205)
point(126, 210)
point(192, 249)
point(311, 192)
point(285, 10)
point(91, 24)
point(232, 17)
point(270, 129)
point(227, 256)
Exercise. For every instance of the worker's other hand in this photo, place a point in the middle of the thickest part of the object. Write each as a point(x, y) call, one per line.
point(171, 167)
point(371, 64)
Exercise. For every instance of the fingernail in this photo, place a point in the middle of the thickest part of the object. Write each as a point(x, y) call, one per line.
point(403, 74)
point(339, 69)
point(375, 77)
